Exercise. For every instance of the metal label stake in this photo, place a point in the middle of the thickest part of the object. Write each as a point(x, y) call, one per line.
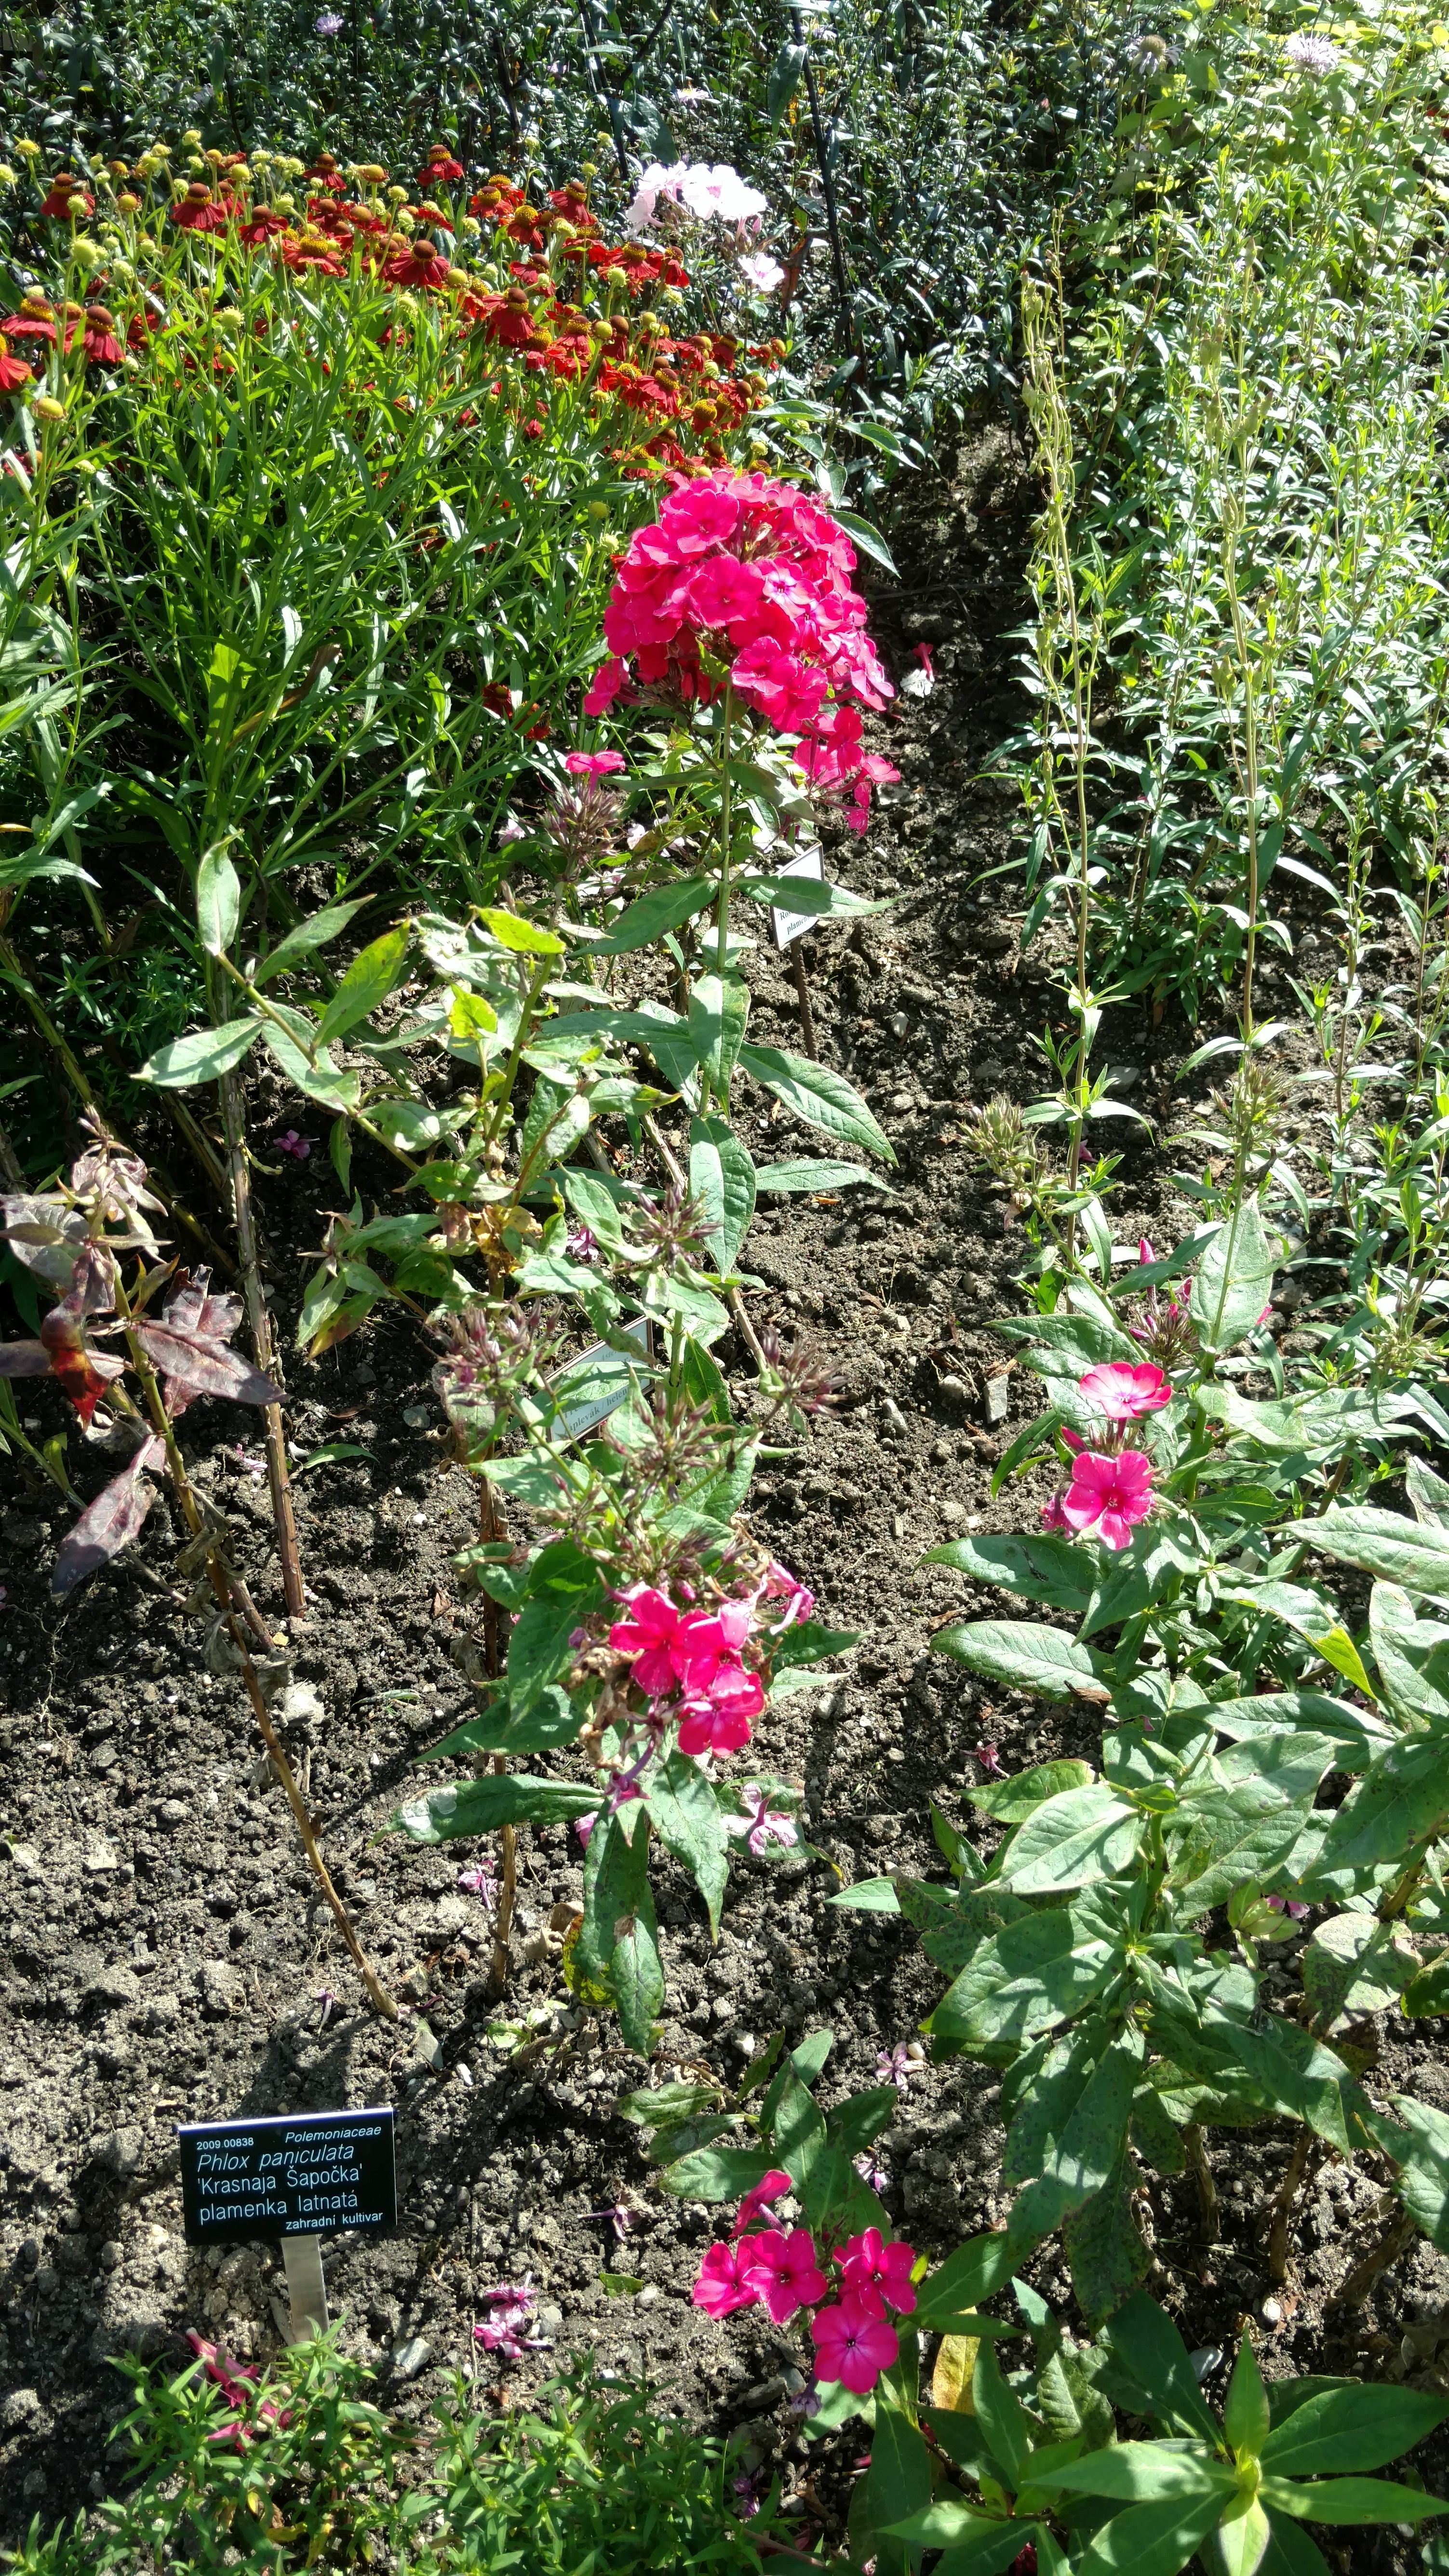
point(306, 2288)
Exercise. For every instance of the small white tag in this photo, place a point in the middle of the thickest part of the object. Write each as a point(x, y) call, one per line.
point(793, 925)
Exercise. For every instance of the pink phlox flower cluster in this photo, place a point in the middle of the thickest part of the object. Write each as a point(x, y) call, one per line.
point(761, 573)
point(784, 2271)
point(697, 189)
point(511, 2305)
point(1110, 1489)
point(593, 764)
point(761, 272)
point(692, 1657)
point(761, 1824)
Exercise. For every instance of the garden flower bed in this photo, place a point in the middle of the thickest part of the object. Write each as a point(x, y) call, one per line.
point(824, 1664)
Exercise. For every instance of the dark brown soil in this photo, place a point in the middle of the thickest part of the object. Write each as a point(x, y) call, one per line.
point(162, 1956)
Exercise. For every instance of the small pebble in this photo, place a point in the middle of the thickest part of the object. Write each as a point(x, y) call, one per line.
point(1271, 2312)
point(409, 2358)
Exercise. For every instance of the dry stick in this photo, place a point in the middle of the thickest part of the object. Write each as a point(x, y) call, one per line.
point(802, 995)
point(1361, 2279)
point(1202, 2174)
point(491, 1531)
point(220, 1578)
point(278, 1479)
point(736, 1301)
point(10, 1171)
point(1282, 2204)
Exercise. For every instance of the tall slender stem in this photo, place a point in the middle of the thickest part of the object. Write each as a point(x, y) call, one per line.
point(283, 1515)
point(726, 825)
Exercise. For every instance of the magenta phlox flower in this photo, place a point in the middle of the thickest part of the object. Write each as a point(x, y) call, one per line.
point(1109, 1495)
point(721, 2286)
point(593, 764)
point(717, 1719)
point(896, 2066)
point(761, 1824)
point(1052, 1515)
point(990, 1760)
point(647, 1635)
point(480, 1882)
point(584, 1826)
point(1145, 1253)
point(1124, 1393)
point(782, 2270)
point(762, 2195)
point(511, 2305)
point(872, 2175)
point(299, 1147)
point(852, 2346)
point(781, 1585)
point(879, 2274)
point(581, 1244)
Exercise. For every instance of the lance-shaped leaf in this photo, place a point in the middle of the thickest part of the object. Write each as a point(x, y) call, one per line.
point(1024, 1655)
point(685, 1815)
point(1045, 1568)
point(1412, 1654)
point(1348, 2429)
point(202, 1365)
point(108, 1523)
point(1072, 1840)
point(1026, 1979)
point(1422, 2151)
point(1412, 1553)
point(479, 1806)
point(822, 1098)
point(1399, 1800)
point(1082, 2159)
point(1233, 1281)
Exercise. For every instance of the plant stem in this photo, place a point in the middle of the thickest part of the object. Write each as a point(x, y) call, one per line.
point(1202, 2174)
point(802, 995)
point(1361, 2279)
point(1281, 2207)
point(283, 1516)
point(219, 1576)
point(726, 823)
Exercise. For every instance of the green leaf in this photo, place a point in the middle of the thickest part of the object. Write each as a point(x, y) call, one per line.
point(1139, 2473)
point(822, 1098)
point(868, 1896)
point(685, 1815)
point(1245, 2414)
point(1361, 2426)
point(899, 2481)
point(717, 1016)
point(1012, 1801)
point(1084, 2157)
point(977, 2268)
point(328, 1454)
point(1239, 2544)
point(1399, 1800)
point(779, 1179)
point(308, 935)
point(975, 2544)
point(479, 1806)
point(1290, 2552)
point(549, 1720)
point(1412, 1655)
point(523, 938)
point(1072, 1840)
point(1350, 2500)
point(856, 2124)
point(1233, 1280)
point(1422, 2181)
point(1412, 1553)
point(722, 1179)
point(1045, 1568)
point(717, 2173)
point(1150, 2539)
point(1003, 2420)
point(1352, 1965)
point(620, 2285)
point(804, 895)
point(1025, 1979)
point(369, 979)
point(1020, 1653)
point(1145, 2341)
point(867, 537)
point(218, 900)
point(202, 1056)
point(650, 915)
